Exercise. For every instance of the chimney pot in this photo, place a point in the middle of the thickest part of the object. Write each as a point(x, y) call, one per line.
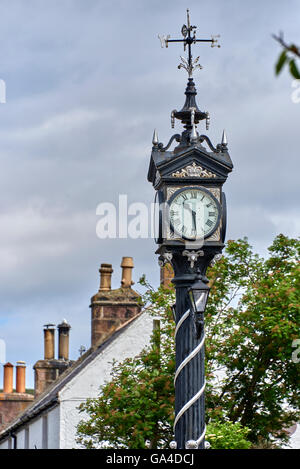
point(63, 340)
point(127, 266)
point(49, 341)
point(8, 378)
point(20, 377)
point(105, 277)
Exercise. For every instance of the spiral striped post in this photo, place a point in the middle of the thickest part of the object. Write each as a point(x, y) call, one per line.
point(189, 424)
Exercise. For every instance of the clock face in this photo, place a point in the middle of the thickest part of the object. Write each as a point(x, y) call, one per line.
point(194, 213)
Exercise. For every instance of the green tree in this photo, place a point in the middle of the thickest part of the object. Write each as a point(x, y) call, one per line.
point(252, 319)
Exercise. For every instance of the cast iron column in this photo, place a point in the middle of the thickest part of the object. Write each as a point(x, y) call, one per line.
point(189, 425)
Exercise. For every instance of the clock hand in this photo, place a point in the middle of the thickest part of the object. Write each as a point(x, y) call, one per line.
point(194, 220)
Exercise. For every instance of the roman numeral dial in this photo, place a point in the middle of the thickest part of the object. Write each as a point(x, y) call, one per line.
point(194, 213)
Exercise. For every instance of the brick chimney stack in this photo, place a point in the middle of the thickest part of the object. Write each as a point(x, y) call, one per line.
point(112, 308)
point(48, 370)
point(12, 403)
point(21, 377)
point(8, 378)
point(63, 340)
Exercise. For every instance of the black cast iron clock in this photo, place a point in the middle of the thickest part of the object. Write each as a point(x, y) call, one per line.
point(191, 216)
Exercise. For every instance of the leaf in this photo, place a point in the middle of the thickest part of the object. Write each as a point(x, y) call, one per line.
point(294, 70)
point(280, 63)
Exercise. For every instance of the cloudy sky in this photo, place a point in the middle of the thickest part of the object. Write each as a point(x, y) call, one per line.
point(87, 82)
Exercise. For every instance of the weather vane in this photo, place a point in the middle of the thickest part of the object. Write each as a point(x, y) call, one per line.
point(189, 38)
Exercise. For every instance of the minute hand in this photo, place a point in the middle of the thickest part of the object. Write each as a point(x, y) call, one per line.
point(194, 220)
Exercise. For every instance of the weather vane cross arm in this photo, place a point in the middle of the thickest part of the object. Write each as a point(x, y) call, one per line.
point(189, 37)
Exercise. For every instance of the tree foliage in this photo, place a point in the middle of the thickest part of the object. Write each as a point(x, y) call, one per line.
point(227, 435)
point(252, 320)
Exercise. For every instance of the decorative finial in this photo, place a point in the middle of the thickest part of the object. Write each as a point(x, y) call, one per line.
point(189, 37)
point(207, 120)
point(214, 42)
point(155, 139)
point(164, 41)
point(194, 136)
point(173, 118)
point(224, 139)
point(189, 67)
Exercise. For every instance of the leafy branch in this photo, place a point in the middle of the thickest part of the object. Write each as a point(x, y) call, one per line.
point(287, 57)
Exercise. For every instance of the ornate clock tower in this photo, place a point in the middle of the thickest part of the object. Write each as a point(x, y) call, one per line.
point(189, 180)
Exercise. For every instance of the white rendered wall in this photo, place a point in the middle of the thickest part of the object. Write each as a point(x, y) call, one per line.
point(4, 444)
point(87, 383)
point(36, 434)
point(53, 428)
point(20, 439)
